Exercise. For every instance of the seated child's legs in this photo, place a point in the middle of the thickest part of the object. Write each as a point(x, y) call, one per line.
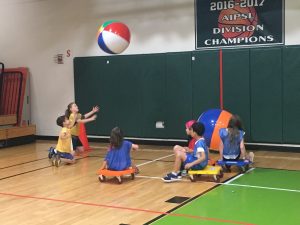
point(77, 145)
point(250, 156)
point(80, 149)
point(180, 157)
point(67, 157)
point(189, 159)
point(231, 159)
point(178, 148)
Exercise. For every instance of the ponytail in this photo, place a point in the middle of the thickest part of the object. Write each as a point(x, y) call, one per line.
point(116, 137)
point(68, 110)
point(233, 130)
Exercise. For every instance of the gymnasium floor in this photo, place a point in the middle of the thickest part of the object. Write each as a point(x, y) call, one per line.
point(33, 192)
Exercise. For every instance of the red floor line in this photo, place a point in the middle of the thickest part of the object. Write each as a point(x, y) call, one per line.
point(127, 208)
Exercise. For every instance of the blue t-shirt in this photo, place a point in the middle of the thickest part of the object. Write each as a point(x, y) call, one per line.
point(231, 150)
point(119, 158)
point(200, 147)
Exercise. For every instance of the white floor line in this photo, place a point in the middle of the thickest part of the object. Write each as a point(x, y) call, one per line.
point(262, 187)
point(154, 160)
point(159, 178)
point(277, 157)
point(238, 176)
point(229, 184)
point(142, 149)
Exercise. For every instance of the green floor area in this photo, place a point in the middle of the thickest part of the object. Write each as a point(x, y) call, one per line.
point(261, 197)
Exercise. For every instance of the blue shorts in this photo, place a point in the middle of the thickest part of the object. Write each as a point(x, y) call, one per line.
point(65, 155)
point(189, 159)
point(76, 142)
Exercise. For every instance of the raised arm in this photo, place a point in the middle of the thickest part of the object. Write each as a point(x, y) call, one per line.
point(94, 110)
point(90, 119)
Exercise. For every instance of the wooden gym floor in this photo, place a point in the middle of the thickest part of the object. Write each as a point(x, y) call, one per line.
point(33, 192)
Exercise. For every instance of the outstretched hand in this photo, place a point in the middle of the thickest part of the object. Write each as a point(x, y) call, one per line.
point(95, 109)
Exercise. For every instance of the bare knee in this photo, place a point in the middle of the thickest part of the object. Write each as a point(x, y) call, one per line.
point(80, 149)
point(179, 154)
point(176, 147)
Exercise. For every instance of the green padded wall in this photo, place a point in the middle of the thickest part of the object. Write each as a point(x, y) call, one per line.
point(153, 82)
point(236, 85)
point(291, 93)
point(87, 87)
point(113, 84)
point(178, 96)
point(266, 94)
point(135, 91)
point(127, 98)
point(205, 81)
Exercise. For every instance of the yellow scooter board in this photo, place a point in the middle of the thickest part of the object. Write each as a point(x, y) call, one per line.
point(215, 171)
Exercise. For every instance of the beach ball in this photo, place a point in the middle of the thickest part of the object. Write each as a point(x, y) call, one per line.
point(214, 120)
point(113, 37)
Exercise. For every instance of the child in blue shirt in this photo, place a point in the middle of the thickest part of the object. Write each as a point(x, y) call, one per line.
point(118, 156)
point(196, 160)
point(232, 145)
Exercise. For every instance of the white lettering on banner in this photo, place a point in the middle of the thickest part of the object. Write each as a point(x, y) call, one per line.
point(245, 40)
point(237, 29)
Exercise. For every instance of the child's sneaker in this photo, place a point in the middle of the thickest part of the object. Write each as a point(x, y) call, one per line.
point(171, 177)
point(51, 152)
point(184, 173)
point(251, 157)
point(57, 160)
point(179, 174)
point(53, 159)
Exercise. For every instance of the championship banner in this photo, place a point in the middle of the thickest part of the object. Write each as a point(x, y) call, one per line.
point(230, 23)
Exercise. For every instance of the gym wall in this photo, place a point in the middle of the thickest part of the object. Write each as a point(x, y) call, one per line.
point(136, 91)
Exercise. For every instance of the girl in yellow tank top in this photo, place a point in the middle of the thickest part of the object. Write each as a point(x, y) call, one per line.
point(72, 113)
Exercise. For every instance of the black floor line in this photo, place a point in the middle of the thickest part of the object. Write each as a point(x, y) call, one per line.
point(23, 163)
point(187, 201)
point(177, 207)
point(18, 174)
point(30, 171)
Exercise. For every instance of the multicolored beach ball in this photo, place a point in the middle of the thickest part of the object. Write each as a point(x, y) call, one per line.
point(113, 37)
point(214, 120)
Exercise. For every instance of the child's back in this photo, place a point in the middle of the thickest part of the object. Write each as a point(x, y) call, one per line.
point(231, 144)
point(119, 158)
point(200, 146)
point(64, 144)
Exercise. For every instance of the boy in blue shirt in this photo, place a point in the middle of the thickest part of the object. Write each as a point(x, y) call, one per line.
point(196, 160)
